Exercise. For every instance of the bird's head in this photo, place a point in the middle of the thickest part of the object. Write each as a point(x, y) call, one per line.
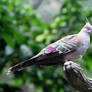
point(87, 27)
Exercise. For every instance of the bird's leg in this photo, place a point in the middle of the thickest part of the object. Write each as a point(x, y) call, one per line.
point(67, 60)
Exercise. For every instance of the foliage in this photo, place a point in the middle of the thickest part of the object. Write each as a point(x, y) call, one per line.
point(22, 35)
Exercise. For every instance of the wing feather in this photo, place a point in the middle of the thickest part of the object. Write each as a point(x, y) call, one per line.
point(65, 45)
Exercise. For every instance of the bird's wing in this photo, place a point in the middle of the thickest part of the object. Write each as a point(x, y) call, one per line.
point(63, 46)
point(55, 53)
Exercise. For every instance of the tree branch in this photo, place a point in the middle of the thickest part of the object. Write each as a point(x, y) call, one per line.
point(77, 78)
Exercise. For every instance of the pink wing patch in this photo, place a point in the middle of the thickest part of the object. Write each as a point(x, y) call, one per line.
point(51, 49)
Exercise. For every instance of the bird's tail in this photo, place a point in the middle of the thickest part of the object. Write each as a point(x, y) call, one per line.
point(43, 60)
point(21, 65)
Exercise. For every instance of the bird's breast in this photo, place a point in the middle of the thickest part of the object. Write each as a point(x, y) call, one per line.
point(84, 42)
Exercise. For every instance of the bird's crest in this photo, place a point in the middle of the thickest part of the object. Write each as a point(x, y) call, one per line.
point(87, 21)
point(87, 25)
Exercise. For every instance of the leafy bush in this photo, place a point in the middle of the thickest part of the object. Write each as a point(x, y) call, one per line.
point(23, 34)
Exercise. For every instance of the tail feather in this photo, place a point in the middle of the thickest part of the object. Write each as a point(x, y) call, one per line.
point(43, 60)
point(21, 65)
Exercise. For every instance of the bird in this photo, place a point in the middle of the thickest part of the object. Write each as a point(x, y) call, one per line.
point(69, 48)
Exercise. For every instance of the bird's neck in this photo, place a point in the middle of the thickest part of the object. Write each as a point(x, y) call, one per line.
point(84, 36)
point(84, 31)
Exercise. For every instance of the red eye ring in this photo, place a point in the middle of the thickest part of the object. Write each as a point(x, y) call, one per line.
point(87, 27)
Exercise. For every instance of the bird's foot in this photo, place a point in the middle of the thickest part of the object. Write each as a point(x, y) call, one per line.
point(71, 61)
point(71, 65)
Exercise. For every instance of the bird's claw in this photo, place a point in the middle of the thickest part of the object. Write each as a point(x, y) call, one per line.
point(67, 65)
point(71, 65)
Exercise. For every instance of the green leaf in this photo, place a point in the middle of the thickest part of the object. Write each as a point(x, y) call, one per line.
point(8, 39)
point(40, 38)
point(19, 37)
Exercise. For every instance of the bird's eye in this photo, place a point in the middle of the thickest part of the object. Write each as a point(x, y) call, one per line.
point(87, 27)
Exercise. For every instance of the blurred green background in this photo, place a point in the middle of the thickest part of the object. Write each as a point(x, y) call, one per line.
point(26, 27)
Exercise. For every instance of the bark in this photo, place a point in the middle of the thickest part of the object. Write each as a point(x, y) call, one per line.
point(77, 78)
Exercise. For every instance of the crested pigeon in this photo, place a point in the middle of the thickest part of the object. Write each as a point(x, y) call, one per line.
point(69, 48)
